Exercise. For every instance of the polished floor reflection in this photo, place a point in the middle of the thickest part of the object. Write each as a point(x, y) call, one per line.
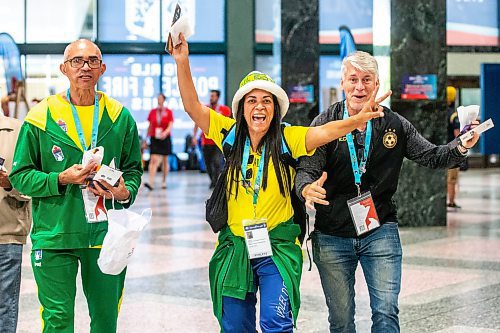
point(451, 275)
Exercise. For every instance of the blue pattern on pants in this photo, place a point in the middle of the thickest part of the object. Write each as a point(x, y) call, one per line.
point(238, 315)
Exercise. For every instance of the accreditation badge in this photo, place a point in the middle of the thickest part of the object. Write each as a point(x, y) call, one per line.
point(158, 132)
point(257, 238)
point(363, 213)
point(95, 210)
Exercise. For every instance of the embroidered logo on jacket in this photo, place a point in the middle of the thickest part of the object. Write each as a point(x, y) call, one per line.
point(57, 152)
point(390, 138)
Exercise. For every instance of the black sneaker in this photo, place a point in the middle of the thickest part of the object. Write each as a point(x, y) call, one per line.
point(454, 205)
point(149, 187)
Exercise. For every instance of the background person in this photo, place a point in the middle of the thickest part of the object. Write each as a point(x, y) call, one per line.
point(161, 120)
point(15, 224)
point(212, 155)
point(453, 131)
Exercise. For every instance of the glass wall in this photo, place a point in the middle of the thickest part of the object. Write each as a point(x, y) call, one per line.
point(134, 80)
point(43, 76)
point(208, 17)
point(208, 73)
point(142, 21)
point(134, 76)
point(469, 22)
point(12, 20)
point(59, 21)
point(121, 21)
point(472, 22)
point(329, 81)
point(356, 15)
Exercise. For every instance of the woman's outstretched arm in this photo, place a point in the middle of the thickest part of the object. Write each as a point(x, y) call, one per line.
point(196, 110)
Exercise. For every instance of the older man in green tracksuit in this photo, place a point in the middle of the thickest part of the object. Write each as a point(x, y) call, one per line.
point(48, 166)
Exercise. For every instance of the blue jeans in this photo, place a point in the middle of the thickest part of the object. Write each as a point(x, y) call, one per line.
point(238, 315)
point(11, 256)
point(380, 256)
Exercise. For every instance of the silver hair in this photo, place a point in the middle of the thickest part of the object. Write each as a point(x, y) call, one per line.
point(362, 61)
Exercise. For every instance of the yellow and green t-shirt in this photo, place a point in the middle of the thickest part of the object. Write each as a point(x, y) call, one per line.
point(271, 204)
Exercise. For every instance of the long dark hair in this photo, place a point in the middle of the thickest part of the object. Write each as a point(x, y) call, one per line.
point(273, 142)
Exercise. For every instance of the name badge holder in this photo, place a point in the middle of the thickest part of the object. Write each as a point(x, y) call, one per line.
point(255, 230)
point(362, 208)
point(95, 210)
point(257, 238)
point(158, 130)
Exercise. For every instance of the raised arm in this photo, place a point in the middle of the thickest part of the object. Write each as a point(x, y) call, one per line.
point(197, 111)
point(320, 135)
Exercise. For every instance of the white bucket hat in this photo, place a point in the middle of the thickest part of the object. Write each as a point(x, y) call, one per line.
point(259, 80)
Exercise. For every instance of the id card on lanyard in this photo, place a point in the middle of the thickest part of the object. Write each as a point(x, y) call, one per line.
point(158, 130)
point(95, 210)
point(362, 207)
point(255, 230)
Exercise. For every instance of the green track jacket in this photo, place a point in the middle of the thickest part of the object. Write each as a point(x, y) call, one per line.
point(58, 214)
point(231, 274)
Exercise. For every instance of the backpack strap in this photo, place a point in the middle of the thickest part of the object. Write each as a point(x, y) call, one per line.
point(228, 140)
point(286, 152)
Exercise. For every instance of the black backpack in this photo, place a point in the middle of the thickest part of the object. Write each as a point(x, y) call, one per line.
point(300, 216)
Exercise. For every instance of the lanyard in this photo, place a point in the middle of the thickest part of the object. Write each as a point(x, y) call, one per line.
point(159, 112)
point(358, 169)
point(78, 124)
point(258, 177)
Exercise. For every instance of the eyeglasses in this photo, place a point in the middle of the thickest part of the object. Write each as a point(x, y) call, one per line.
point(79, 62)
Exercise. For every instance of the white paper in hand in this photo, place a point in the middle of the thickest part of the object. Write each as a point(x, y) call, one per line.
point(96, 154)
point(467, 114)
point(107, 174)
point(182, 25)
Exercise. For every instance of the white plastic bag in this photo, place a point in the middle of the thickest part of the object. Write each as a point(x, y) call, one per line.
point(124, 228)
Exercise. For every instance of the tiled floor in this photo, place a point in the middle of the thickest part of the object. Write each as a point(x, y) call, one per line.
point(451, 276)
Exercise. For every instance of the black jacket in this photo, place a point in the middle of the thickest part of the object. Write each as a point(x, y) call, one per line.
point(393, 138)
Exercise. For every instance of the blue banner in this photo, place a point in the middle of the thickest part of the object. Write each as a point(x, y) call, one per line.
point(347, 45)
point(11, 60)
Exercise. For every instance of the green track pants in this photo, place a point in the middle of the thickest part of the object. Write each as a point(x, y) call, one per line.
point(55, 275)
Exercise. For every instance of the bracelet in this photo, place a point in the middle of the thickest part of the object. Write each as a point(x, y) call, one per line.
point(460, 145)
point(125, 201)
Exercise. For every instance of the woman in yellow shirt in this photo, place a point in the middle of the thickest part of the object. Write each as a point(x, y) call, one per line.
point(258, 249)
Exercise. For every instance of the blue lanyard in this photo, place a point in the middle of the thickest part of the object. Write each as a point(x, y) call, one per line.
point(78, 124)
point(258, 177)
point(358, 169)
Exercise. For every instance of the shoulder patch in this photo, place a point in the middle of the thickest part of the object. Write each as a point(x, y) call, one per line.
point(37, 116)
